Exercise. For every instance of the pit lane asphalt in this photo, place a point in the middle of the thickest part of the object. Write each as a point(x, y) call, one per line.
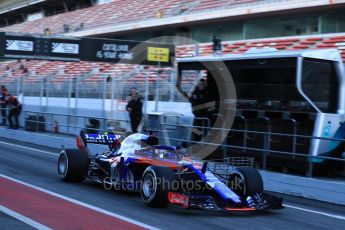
point(35, 166)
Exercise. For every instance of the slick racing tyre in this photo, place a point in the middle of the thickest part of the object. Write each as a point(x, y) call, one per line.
point(73, 165)
point(157, 181)
point(245, 181)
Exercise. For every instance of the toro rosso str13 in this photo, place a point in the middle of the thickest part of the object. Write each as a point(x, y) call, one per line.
point(163, 176)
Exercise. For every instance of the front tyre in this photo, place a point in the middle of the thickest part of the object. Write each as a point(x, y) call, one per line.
point(157, 181)
point(73, 165)
point(245, 181)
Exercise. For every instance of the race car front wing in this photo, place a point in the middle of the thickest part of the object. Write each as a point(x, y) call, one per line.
point(257, 202)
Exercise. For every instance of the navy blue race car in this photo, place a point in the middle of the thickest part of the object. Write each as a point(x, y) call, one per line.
point(164, 176)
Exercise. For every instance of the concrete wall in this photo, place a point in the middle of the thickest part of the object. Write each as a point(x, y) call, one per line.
point(57, 109)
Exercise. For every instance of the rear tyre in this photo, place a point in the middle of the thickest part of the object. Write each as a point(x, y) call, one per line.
point(246, 181)
point(73, 165)
point(157, 181)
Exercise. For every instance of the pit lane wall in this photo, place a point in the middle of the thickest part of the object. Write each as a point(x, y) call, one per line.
point(105, 105)
point(79, 108)
point(323, 190)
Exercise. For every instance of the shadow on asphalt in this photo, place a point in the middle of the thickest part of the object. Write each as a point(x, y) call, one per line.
point(199, 212)
point(135, 197)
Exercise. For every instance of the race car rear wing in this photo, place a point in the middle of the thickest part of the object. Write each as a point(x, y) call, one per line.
point(105, 138)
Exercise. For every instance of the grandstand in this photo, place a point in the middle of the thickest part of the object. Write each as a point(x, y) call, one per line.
point(60, 71)
point(241, 24)
point(11, 70)
point(104, 14)
point(124, 12)
point(88, 17)
point(282, 43)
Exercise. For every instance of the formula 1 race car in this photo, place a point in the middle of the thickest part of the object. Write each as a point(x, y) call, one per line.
point(164, 176)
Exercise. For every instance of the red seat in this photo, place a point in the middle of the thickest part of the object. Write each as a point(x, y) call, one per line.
point(314, 39)
point(325, 46)
point(308, 42)
point(300, 47)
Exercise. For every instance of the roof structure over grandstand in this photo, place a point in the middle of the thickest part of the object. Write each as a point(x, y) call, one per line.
point(11, 5)
point(18, 11)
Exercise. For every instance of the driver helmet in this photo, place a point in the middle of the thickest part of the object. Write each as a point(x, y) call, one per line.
point(150, 140)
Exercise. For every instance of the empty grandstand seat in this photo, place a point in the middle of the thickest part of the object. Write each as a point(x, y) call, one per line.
point(314, 39)
point(308, 42)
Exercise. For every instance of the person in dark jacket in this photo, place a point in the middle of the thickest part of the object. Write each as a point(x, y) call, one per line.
point(15, 110)
point(3, 101)
point(134, 108)
point(203, 107)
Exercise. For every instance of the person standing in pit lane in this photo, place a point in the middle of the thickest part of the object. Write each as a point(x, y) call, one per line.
point(15, 110)
point(202, 108)
point(3, 101)
point(134, 108)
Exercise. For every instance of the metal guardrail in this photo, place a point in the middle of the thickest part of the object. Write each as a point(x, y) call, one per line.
point(51, 120)
point(108, 86)
point(266, 149)
point(309, 158)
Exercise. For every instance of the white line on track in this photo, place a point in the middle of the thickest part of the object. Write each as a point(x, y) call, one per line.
point(316, 212)
point(28, 148)
point(23, 219)
point(80, 203)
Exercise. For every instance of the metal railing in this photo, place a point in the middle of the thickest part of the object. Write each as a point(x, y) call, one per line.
point(265, 151)
point(108, 86)
point(70, 123)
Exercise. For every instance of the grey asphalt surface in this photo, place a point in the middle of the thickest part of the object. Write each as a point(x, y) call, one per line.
point(8, 222)
point(39, 169)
